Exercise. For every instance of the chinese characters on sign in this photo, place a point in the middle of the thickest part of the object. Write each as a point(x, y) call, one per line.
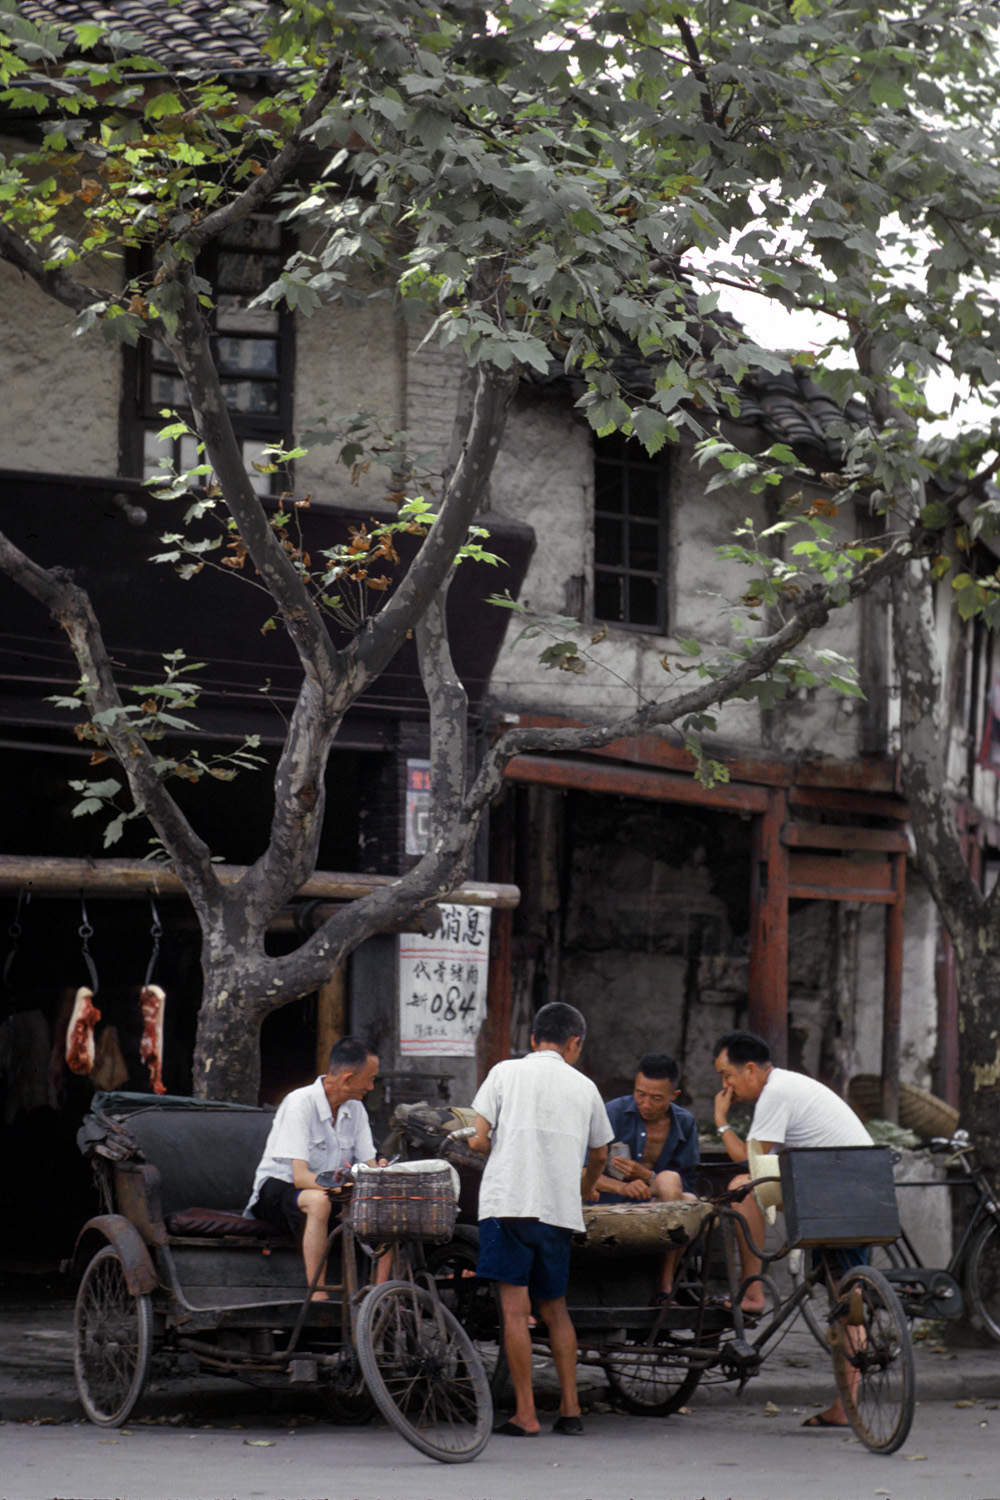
point(418, 805)
point(442, 984)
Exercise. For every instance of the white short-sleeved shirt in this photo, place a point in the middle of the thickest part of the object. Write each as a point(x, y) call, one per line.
point(794, 1110)
point(304, 1130)
point(545, 1117)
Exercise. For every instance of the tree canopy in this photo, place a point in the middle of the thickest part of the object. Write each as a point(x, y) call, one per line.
point(542, 182)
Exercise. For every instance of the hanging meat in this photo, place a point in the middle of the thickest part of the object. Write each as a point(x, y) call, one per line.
point(80, 1032)
point(152, 1000)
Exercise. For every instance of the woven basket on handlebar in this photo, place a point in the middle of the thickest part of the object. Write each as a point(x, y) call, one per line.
point(390, 1205)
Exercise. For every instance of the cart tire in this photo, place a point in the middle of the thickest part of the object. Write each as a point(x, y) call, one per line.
point(654, 1380)
point(112, 1341)
point(424, 1372)
point(347, 1400)
point(475, 1303)
point(815, 1307)
point(982, 1280)
point(873, 1360)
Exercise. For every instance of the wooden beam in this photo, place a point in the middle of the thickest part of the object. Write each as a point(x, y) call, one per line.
point(135, 877)
point(826, 836)
point(873, 774)
point(629, 781)
point(767, 999)
point(825, 877)
point(828, 800)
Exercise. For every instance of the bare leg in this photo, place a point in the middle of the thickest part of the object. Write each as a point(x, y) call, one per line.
point(666, 1187)
point(753, 1218)
point(562, 1342)
point(516, 1306)
point(315, 1204)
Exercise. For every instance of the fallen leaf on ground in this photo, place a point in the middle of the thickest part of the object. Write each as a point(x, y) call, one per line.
point(258, 1443)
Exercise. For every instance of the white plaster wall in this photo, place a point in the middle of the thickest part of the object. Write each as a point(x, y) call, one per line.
point(918, 1021)
point(347, 360)
point(59, 411)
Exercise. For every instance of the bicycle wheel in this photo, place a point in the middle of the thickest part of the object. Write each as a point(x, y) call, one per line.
point(982, 1280)
point(873, 1360)
point(654, 1380)
point(815, 1307)
point(475, 1303)
point(425, 1374)
point(112, 1341)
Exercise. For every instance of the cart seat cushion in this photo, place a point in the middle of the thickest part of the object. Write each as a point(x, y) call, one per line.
point(214, 1223)
point(628, 1228)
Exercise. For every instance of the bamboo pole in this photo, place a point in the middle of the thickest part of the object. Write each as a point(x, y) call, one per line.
point(129, 877)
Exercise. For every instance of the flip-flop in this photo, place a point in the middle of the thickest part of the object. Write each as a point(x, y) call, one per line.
point(818, 1419)
point(511, 1429)
point(571, 1426)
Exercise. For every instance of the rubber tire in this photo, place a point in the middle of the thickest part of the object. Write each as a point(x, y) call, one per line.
point(475, 1303)
point(982, 1280)
point(652, 1399)
point(421, 1384)
point(881, 1419)
point(814, 1309)
point(112, 1341)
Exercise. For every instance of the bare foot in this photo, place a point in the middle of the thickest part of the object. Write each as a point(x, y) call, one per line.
point(320, 1295)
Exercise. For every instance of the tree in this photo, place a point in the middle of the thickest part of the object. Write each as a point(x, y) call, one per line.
point(545, 181)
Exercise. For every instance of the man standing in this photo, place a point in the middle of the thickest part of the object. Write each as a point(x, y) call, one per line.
point(537, 1119)
point(320, 1128)
point(790, 1110)
point(662, 1139)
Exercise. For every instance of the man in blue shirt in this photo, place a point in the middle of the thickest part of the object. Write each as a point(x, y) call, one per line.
point(660, 1163)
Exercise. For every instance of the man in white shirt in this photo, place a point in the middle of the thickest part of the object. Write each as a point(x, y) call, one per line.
point(537, 1119)
point(790, 1110)
point(320, 1128)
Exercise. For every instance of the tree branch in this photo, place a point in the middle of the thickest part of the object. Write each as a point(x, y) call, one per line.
point(70, 606)
point(55, 283)
point(449, 704)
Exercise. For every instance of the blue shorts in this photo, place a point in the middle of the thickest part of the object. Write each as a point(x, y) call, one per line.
point(525, 1252)
point(844, 1259)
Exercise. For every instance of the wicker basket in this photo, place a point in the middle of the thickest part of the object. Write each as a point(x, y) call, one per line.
point(923, 1113)
point(395, 1205)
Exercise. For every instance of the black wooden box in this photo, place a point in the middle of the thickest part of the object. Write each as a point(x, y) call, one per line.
point(839, 1195)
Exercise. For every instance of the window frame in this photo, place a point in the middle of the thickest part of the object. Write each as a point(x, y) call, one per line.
point(140, 414)
point(624, 460)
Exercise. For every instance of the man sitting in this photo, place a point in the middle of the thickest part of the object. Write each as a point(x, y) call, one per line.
point(320, 1128)
point(662, 1139)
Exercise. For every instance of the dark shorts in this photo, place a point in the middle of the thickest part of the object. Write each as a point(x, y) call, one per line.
point(525, 1252)
point(845, 1259)
point(278, 1203)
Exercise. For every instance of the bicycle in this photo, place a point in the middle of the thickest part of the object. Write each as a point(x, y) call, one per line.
point(937, 1292)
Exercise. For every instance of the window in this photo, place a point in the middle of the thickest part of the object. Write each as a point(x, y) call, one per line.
point(630, 535)
point(253, 353)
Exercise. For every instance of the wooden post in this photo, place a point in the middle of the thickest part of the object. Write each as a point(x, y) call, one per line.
point(767, 998)
point(495, 1045)
point(892, 1004)
point(331, 1016)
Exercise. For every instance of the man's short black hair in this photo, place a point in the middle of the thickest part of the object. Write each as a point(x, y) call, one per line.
point(349, 1053)
point(743, 1047)
point(659, 1065)
point(557, 1022)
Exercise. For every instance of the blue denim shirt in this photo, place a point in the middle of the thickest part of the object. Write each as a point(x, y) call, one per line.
point(680, 1149)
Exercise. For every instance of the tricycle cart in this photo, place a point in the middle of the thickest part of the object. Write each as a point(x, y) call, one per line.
point(159, 1272)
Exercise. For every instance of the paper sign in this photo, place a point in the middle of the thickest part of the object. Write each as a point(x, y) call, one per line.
point(442, 984)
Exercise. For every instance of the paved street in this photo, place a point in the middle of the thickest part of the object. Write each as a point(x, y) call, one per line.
point(204, 1439)
point(722, 1449)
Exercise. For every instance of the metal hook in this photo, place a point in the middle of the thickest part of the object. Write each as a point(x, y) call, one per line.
point(14, 932)
point(86, 933)
point(156, 932)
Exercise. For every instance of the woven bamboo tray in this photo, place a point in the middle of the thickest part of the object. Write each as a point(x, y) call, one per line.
point(923, 1113)
point(634, 1228)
